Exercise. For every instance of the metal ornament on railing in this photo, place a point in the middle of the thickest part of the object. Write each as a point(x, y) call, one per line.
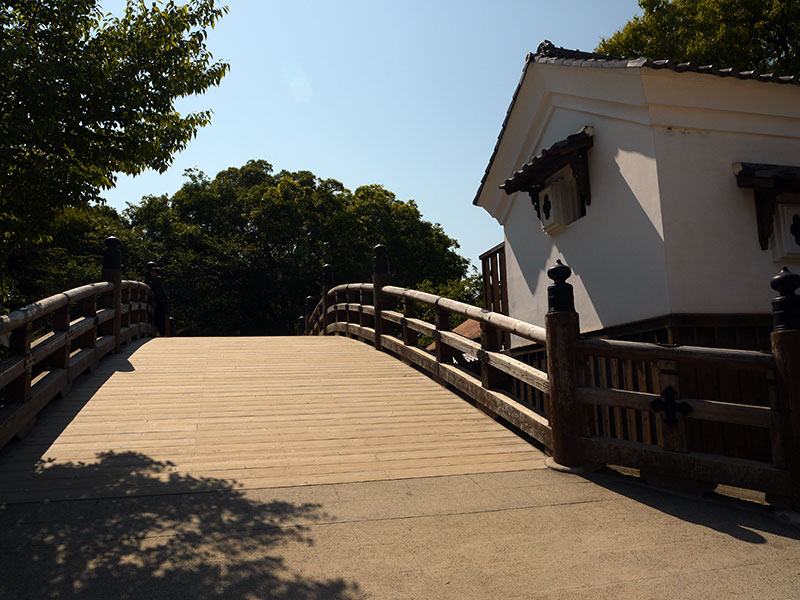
point(668, 404)
point(327, 276)
point(112, 257)
point(559, 295)
point(786, 306)
point(380, 262)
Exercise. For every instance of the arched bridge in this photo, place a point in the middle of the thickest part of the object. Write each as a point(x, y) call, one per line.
point(209, 465)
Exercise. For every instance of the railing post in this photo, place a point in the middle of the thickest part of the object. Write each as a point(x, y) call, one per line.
point(112, 272)
point(785, 338)
point(561, 322)
point(309, 309)
point(327, 284)
point(19, 346)
point(380, 278)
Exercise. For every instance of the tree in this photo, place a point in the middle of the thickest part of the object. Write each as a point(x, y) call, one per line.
point(744, 34)
point(85, 95)
point(240, 252)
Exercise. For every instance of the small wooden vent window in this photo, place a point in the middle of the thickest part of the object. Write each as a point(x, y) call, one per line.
point(557, 181)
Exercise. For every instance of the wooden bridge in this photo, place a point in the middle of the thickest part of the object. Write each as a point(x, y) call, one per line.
point(179, 455)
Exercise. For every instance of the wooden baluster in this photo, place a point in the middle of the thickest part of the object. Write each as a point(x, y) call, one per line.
point(785, 339)
point(410, 337)
point(309, 309)
point(348, 314)
point(567, 420)
point(671, 429)
point(444, 353)
point(141, 316)
point(125, 300)
point(363, 318)
point(112, 272)
point(327, 284)
point(380, 278)
point(19, 346)
point(490, 342)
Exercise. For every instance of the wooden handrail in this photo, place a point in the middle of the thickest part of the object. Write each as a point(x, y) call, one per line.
point(720, 357)
point(46, 306)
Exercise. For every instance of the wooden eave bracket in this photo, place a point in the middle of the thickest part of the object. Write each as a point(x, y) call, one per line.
point(767, 182)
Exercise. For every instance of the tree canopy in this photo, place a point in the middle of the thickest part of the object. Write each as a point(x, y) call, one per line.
point(85, 95)
point(240, 252)
point(744, 34)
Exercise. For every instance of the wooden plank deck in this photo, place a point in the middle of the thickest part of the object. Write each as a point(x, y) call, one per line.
point(244, 413)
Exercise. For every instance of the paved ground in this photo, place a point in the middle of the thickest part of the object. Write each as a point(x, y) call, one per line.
point(524, 534)
point(130, 522)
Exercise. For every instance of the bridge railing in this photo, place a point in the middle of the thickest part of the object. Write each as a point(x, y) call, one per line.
point(54, 340)
point(604, 401)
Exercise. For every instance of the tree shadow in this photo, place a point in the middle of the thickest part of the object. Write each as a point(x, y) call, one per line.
point(741, 519)
point(186, 538)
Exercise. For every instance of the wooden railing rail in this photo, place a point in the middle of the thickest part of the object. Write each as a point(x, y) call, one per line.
point(606, 401)
point(720, 357)
point(39, 369)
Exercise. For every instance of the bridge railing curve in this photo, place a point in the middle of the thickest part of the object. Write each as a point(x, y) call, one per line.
point(54, 340)
point(600, 401)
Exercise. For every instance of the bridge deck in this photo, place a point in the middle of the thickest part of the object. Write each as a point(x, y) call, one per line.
point(252, 413)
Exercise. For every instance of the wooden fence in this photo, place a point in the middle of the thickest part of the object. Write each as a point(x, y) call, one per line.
point(74, 330)
point(590, 401)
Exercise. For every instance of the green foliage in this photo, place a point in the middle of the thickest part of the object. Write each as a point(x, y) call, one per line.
point(745, 34)
point(242, 251)
point(85, 95)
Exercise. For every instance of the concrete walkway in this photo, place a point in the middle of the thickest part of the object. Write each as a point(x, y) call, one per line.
point(523, 534)
point(159, 513)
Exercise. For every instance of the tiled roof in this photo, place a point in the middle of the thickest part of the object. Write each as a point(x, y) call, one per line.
point(548, 53)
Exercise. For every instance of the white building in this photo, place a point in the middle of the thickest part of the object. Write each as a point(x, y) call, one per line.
point(671, 190)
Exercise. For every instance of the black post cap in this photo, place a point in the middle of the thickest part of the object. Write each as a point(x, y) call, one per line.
point(112, 257)
point(559, 295)
point(310, 304)
point(786, 306)
point(327, 276)
point(380, 261)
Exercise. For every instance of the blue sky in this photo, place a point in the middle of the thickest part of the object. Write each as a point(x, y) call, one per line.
point(410, 95)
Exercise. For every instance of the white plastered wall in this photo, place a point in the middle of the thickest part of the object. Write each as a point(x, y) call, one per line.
point(702, 126)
